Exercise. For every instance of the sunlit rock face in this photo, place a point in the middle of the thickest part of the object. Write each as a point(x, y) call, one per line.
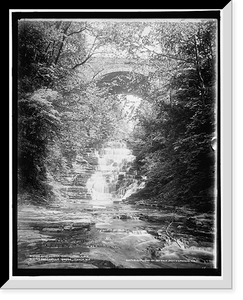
point(114, 160)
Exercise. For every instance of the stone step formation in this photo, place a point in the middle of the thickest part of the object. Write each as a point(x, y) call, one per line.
point(108, 172)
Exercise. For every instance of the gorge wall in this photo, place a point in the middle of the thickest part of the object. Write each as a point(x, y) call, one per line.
point(104, 173)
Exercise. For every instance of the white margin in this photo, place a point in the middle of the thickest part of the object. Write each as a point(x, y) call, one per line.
point(158, 282)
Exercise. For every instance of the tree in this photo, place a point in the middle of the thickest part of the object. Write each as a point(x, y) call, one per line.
point(43, 50)
point(59, 115)
point(175, 152)
point(37, 129)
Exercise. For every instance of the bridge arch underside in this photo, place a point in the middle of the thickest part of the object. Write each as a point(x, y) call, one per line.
point(125, 82)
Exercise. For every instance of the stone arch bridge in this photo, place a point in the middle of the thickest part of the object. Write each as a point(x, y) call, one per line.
point(126, 75)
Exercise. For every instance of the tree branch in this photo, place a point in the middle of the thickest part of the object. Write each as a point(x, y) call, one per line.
point(90, 54)
point(62, 42)
point(78, 31)
point(175, 57)
point(81, 63)
point(198, 64)
point(168, 234)
point(97, 74)
point(166, 55)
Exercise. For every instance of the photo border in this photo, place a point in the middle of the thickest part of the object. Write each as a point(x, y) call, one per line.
point(224, 281)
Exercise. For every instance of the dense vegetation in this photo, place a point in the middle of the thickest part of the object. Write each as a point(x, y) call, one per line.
point(60, 114)
point(174, 140)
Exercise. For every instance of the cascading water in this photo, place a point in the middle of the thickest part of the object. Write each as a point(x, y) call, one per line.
point(112, 160)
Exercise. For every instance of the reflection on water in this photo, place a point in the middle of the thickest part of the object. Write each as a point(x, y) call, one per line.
point(113, 160)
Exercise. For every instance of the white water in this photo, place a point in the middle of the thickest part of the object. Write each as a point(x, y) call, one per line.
point(111, 160)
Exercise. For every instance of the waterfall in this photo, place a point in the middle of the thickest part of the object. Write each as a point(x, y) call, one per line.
point(113, 159)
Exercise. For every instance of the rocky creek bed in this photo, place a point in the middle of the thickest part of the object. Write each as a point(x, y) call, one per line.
point(88, 234)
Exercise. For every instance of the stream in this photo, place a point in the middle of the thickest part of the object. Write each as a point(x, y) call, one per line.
point(106, 231)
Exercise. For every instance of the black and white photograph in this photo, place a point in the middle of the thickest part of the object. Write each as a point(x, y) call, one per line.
point(117, 130)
